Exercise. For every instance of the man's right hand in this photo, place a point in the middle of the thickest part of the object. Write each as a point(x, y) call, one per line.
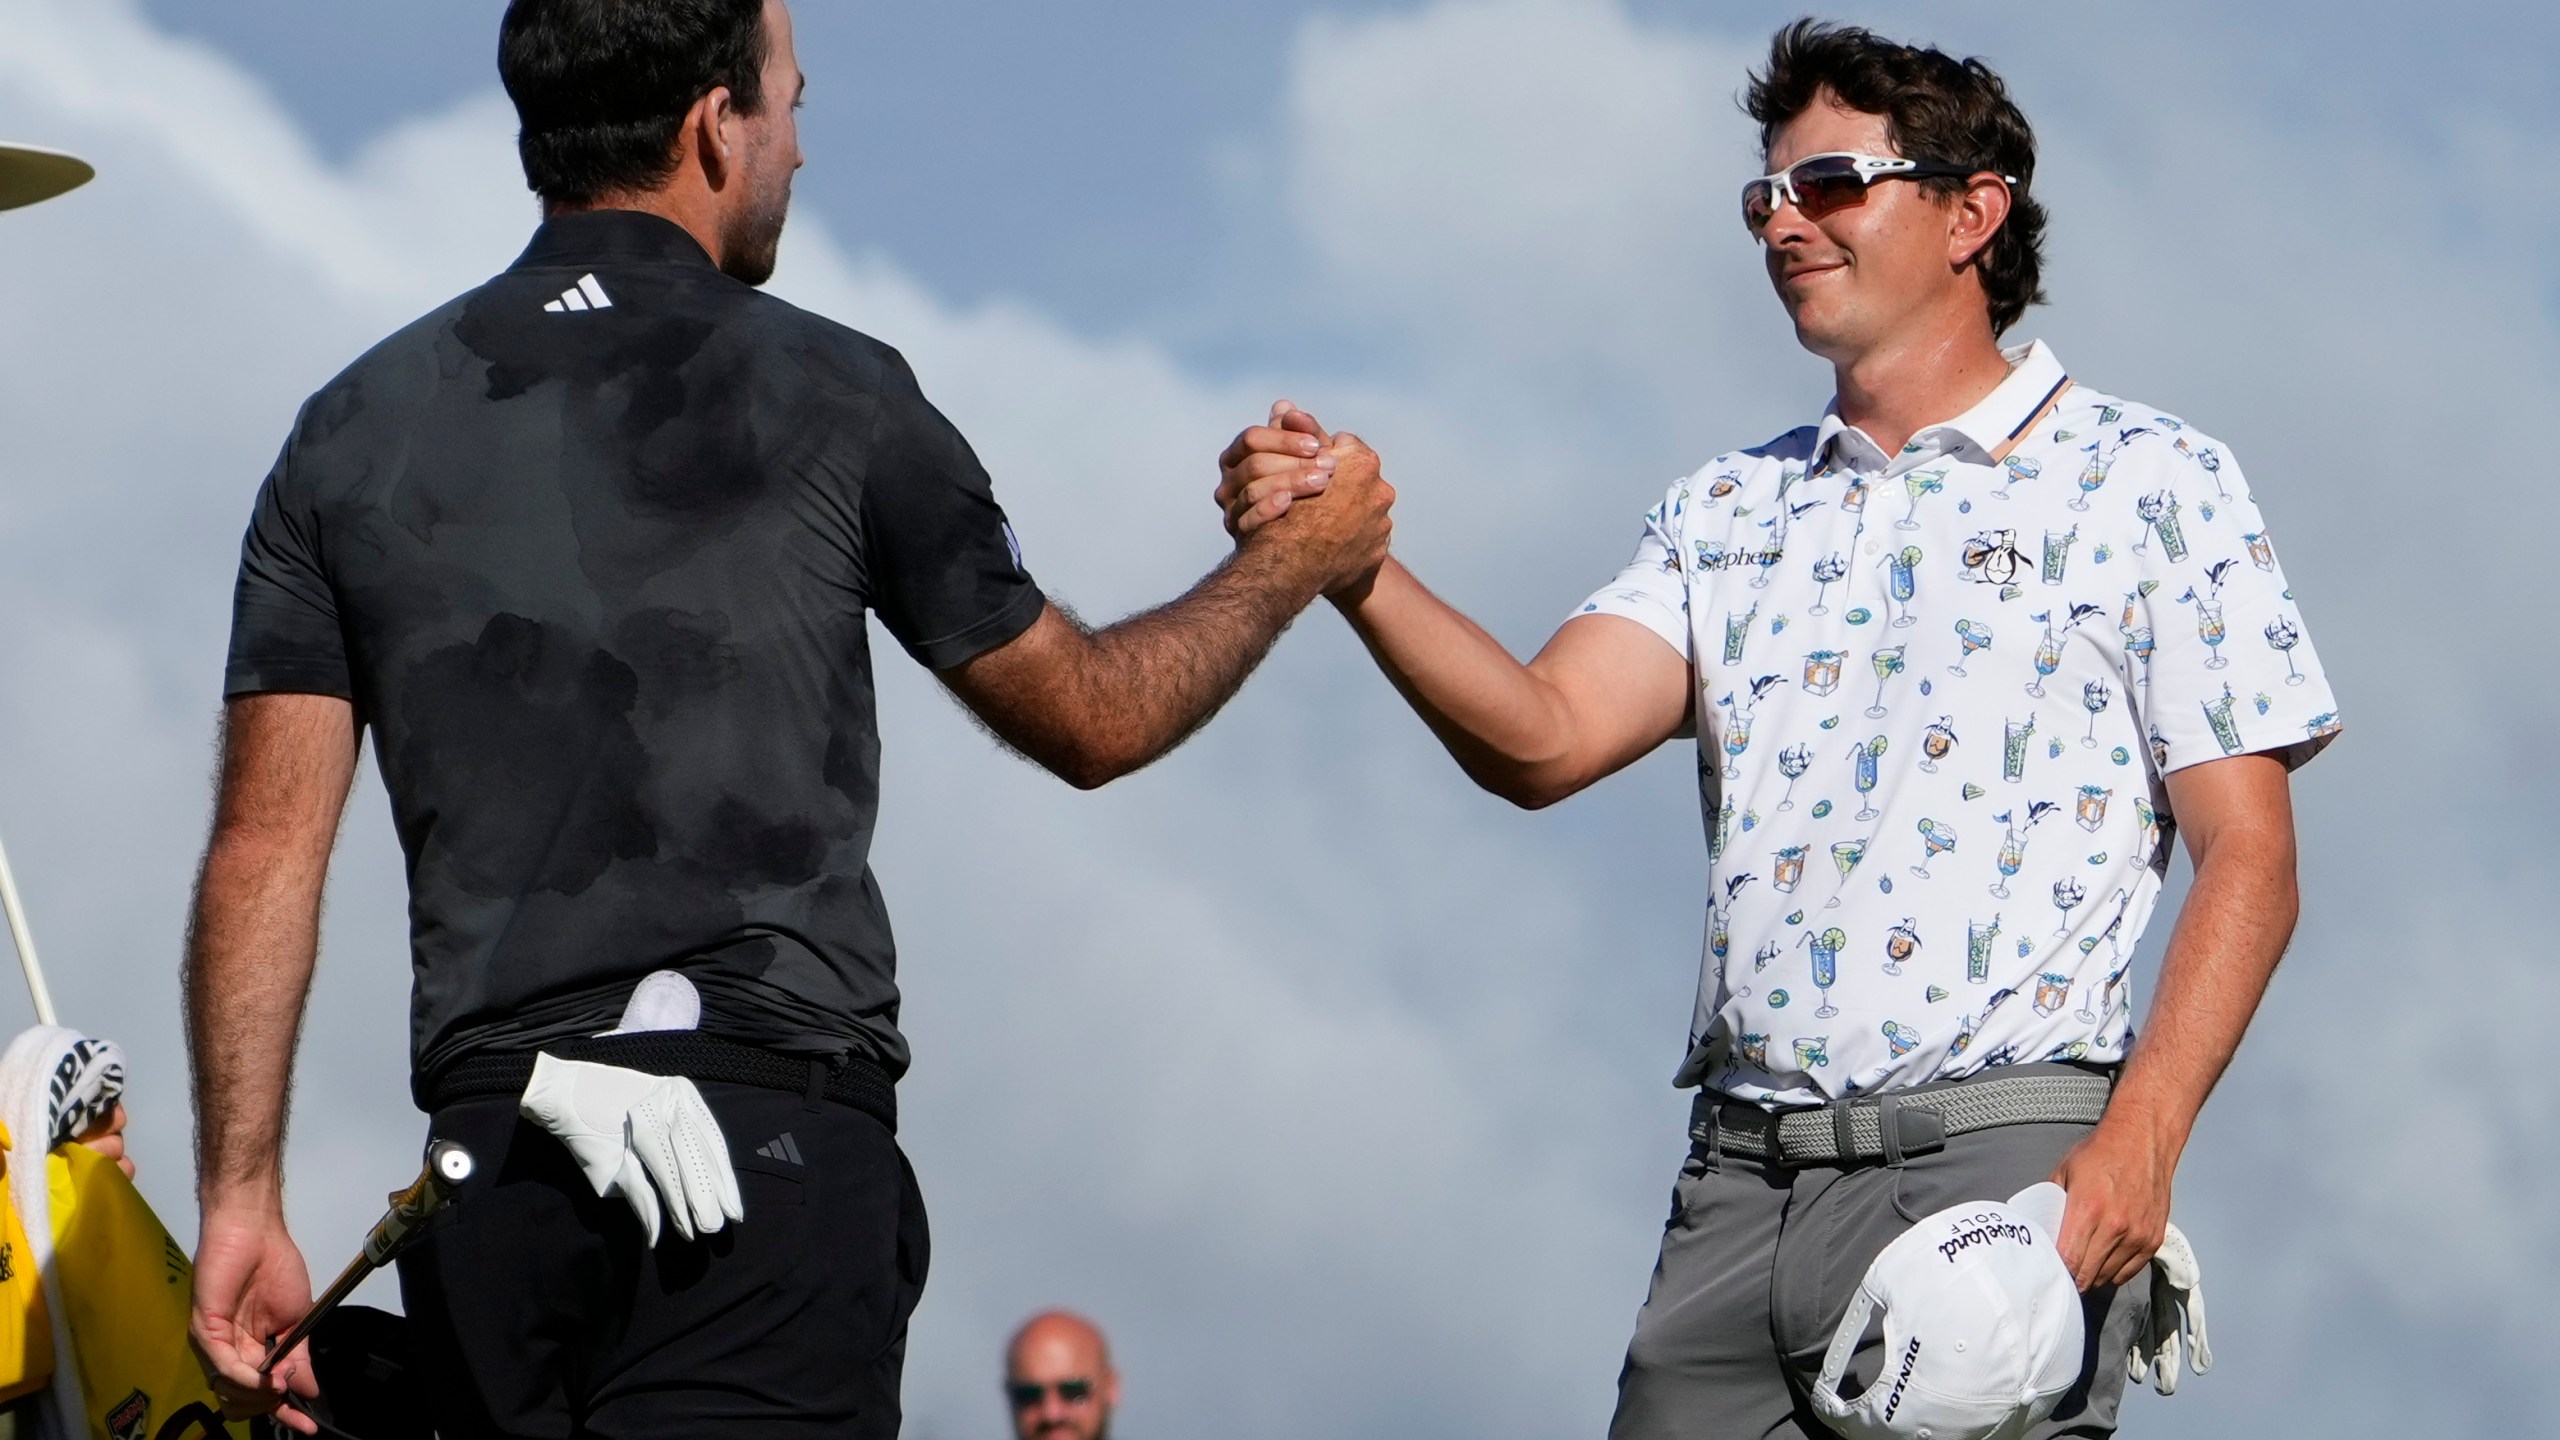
point(1330, 483)
point(251, 1285)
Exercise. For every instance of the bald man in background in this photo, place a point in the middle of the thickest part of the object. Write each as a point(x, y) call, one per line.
point(1058, 1379)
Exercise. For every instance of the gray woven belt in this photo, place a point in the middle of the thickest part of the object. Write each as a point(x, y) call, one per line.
point(1897, 1124)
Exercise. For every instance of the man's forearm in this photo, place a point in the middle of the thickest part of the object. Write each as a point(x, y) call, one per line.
point(2232, 931)
point(1093, 705)
point(248, 973)
point(287, 763)
point(1506, 727)
point(1160, 674)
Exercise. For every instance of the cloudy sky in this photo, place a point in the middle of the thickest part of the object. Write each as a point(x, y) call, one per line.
point(1337, 1091)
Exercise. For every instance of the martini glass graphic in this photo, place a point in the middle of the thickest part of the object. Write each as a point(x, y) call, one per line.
point(1826, 570)
point(1888, 664)
point(2283, 634)
point(1973, 637)
point(1919, 483)
point(2094, 698)
point(1770, 555)
point(1866, 755)
point(1900, 944)
point(1936, 742)
point(1792, 763)
point(2067, 892)
point(1845, 854)
point(1939, 839)
point(1826, 966)
point(2016, 467)
point(1902, 570)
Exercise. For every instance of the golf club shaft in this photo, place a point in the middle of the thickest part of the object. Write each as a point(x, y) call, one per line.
point(330, 1299)
point(25, 942)
point(448, 1165)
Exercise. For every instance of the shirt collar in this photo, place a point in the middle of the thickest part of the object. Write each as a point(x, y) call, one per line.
point(2035, 377)
point(595, 237)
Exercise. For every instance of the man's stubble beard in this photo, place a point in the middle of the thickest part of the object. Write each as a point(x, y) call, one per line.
point(752, 242)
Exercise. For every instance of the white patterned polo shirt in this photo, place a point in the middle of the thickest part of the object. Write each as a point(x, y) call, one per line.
point(1936, 694)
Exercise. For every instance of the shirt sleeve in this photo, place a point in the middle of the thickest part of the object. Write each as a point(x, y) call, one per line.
point(285, 635)
point(2231, 669)
point(1653, 589)
point(943, 569)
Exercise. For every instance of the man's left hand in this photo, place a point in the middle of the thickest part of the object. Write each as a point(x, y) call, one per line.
point(2118, 1183)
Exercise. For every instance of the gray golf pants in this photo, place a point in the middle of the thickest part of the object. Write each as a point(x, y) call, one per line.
point(1758, 1264)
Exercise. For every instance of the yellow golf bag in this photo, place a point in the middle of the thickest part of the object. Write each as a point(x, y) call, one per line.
point(26, 1326)
point(126, 1288)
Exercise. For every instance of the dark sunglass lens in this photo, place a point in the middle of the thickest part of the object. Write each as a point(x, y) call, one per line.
point(1075, 1392)
point(1825, 185)
point(1025, 1396)
point(1755, 205)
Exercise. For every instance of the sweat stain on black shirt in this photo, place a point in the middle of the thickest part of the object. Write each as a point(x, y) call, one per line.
point(597, 579)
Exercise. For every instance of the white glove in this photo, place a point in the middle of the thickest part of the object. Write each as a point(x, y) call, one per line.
point(2176, 1322)
point(648, 1138)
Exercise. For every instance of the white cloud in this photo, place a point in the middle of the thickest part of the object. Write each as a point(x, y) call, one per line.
point(1334, 1088)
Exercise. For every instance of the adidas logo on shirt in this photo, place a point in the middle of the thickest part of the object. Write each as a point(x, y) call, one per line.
point(784, 1149)
point(585, 295)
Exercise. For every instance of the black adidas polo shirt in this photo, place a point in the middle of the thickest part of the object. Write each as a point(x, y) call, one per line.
point(592, 549)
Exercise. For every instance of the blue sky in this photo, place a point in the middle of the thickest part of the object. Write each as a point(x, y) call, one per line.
point(1334, 1088)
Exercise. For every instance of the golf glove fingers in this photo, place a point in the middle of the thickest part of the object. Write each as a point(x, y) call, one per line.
point(679, 1143)
point(631, 1182)
point(590, 1108)
point(2175, 1328)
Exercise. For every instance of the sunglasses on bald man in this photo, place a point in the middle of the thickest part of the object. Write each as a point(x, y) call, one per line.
point(1835, 180)
point(1026, 1393)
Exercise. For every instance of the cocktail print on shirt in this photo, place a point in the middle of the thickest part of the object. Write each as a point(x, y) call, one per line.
point(1966, 698)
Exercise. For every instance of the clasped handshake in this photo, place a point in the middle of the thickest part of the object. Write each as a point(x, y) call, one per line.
point(1314, 500)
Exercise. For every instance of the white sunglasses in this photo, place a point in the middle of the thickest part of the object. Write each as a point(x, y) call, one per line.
point(1836, 179)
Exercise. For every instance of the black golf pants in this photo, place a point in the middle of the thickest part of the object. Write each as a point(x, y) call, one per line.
point(537, 1312)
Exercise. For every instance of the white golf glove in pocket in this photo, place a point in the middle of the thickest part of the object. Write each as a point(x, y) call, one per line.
point(648, 1138)
point(2176, 1321)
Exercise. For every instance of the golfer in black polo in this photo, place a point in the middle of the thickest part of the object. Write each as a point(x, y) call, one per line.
point(591, 550)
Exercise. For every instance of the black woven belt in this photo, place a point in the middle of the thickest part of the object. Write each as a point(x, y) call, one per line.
point(1900, 1123)
point(854, 1081)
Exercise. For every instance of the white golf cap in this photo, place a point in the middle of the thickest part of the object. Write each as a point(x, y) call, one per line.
point(1982, 1327)
point(29, 173)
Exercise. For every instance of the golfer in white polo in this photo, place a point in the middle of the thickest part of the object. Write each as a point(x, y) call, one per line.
point(1963, 654)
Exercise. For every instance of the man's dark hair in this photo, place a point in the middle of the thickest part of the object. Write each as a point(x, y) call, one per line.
point(602, 86)
point(1936, 107)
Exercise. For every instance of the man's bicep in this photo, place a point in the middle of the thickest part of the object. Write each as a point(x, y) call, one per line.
point(1625, 688)
point(2238, 796)
point(288, 761)
point(1021, 690)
